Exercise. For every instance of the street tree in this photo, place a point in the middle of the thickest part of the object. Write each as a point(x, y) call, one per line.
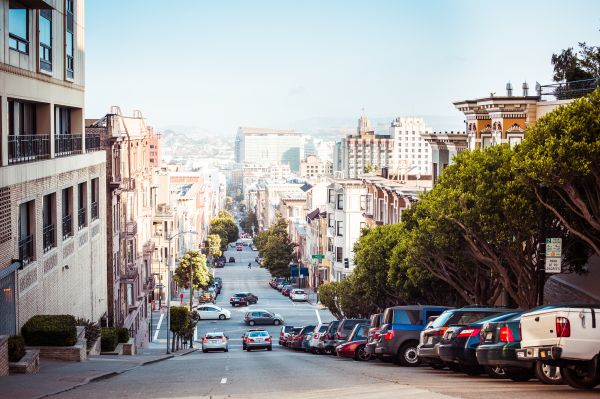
point(214, 245)
point(225, 227)
point(276, 247)
point(570, 65)
point(250, 222)
point(192, 272)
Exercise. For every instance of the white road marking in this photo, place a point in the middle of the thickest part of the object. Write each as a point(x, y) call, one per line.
point(158, 326)
point(196, 333)
point(318, 316)
point(223, 380)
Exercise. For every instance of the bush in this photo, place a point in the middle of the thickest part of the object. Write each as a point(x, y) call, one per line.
point(16, 348)
point(109, 339)
point(50, 330)
point(179, 318)
point(92, 331)
point(123, 335)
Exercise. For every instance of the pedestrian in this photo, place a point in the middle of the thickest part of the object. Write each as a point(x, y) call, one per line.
point(181, 297)
point(249, 265)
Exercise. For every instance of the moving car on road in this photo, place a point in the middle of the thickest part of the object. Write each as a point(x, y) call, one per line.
point(231, 259)
point(258, 340)
point(298, 294)
point(355, 346)
point(215, 341)
point(245, 336)
point(238, 248)
point(212, 312)
point(243, 298)
point(261, 316)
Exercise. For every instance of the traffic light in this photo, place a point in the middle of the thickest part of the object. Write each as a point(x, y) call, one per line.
point(346, 263)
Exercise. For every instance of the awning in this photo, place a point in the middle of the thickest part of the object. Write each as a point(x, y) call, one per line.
point(10, 269)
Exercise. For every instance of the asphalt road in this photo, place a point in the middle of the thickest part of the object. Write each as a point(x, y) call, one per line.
point(286, 374)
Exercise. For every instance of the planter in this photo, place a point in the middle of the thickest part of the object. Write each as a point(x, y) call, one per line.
point(95, 349)
point(75, 353)
point(118, 351)
point(129, 347)
point(30, 363)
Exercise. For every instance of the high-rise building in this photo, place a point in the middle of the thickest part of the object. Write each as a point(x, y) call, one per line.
point(269, 146)
point(412, 152)
point(52, 176)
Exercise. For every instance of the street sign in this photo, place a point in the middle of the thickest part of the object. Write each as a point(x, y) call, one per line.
point(318, 256)
point(553, 265)
point(160, 286)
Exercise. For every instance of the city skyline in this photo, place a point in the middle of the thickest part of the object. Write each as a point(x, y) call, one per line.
point(284, 65)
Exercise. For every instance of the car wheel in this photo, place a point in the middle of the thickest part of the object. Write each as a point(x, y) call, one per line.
point(580, 377)
point(276, 322)
point(361, 354)
point(221, 317)
point(407, 356)
point(547, 374)
point(248, 349)
point(204, 351)
point(270, 348)
point(495, 372)
point(233, 304)
point(226, 350)
point(522, 375)
point(251, 323)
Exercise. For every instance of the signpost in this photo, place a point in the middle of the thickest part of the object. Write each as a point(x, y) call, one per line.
point(318, 256)
point(553, 255)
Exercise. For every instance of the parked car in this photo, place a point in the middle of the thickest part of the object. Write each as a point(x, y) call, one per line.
point(373, 336)
point(499, 349)
point(355, 346)
point(345, 328)
point(459, 343)
point(317, 332)
point(282, 284)
point(258, 340)
point(305, 345)
point(215, 341)
point(296, 342)
point(261, 316)
point(206, 297)
point(238, 248)
point(212, 312)
point(243, 298)
point(253, 247)
point(430, 338)
point(564, 336)
point(327, 341)
point(287, 289)
point(284, 334)
point(231, 259)
point(298, 294)
point(245, 336)
point(290, 339)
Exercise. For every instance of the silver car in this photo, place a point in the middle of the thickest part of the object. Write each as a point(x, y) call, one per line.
point(259, 340)
point(215, 341)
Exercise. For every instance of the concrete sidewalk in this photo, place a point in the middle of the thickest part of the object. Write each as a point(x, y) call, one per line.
point(56, 376)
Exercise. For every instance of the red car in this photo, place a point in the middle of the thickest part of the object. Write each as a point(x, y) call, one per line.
point(285, 291)
point(354, 348)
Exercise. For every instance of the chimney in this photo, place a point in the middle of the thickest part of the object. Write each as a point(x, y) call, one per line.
point(509, 89)
point(385, 172)
point(525, 89)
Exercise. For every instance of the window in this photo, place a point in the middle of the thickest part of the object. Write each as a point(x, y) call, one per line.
point(21, 118)
point(369, 204)
point(18, 27)
point(363, 202)
point(129, 294)
point(95, 198)
point(340, 228)
point(82, 203)
point(26, 228)
point(340, 201)
point(67, 212)
point(62, 119)
point(339, 254)
point(331, 196)
point(49, 220)
point(330, 244)
point(45, 40)
point(69, 38)
point(130, 251)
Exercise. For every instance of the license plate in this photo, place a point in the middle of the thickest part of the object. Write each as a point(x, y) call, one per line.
point(520, 355)
point(213, 341)
point(259, 340)
point(489, 336)
point(429, 340)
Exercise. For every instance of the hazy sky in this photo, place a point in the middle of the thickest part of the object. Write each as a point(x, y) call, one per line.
point(220, 64)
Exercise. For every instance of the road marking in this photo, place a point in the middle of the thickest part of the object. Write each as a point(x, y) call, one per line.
point(158, 326)
point(196, 333)
point(223, 380)
point(318, 316)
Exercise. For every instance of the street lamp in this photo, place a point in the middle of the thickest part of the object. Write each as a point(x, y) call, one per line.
point(169, 284)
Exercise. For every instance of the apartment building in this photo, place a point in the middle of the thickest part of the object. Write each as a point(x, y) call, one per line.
point(312, 167)
point(267, 146)
point(412, 153)
point(345, 208)
point(52, 174)
point(444, 146)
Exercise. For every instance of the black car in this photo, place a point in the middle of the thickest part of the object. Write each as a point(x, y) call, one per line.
point(298, 338)
point(431, 336)
point(327, 339)
point(243, 298)
point(459, 343)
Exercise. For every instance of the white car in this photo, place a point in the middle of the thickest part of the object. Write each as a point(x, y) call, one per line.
point(313, 345)
point(209, 311)
point(215, 341)
point(298, 294)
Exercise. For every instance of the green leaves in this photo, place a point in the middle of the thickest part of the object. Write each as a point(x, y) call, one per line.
point(276, 248)
point(224, 226)
point(195, 261)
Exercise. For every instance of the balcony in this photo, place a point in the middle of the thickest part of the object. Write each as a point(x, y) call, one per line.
point(128, 183)
point(28, 148)
point(49, 237)
point(94, 210)
point(131, 228)
point(568, 90)
point(92, 142)
point(26, 249)
point(81, 218)
point(67, 226)
point(67, 144)
point(130, 274)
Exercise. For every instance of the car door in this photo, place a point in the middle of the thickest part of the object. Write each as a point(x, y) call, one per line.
point(266, 318)
point(202, 312)
point(212, 313)
point(251, 298)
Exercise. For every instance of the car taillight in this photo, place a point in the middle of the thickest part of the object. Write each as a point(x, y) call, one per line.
point(563, 327)
point(376, 335)
point(389, 335)
point(204, 340)
point(441, 331)
point(316, 336)
point(468, 332)
point(506, 335)
point(250, 340)
point(268, 339)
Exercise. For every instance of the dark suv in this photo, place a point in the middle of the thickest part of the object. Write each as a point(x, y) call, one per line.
point(243, 298)
point(399, 334)
point(431, 337)
point(345, 328)
point(327, 339)
point(373, 336)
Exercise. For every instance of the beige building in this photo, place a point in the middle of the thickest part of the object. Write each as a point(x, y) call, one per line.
point(52, 201)
point(312, 167)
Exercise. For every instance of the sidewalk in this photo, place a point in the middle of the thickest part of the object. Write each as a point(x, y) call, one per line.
point(56, 376)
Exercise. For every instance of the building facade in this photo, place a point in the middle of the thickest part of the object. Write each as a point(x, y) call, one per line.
point(444, 147)
point(52, 205)
point(269, 146)
point(312, 167)
point(412, 153)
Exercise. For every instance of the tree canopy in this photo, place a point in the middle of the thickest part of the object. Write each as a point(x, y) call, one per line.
point(570, 65)
point(225, 227)
point(276, 247)
point(192, 263)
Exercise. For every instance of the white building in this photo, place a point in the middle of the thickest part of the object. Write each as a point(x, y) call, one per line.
point(313, 167)
point(269, 146)
point(346, 204)
point(412, 152)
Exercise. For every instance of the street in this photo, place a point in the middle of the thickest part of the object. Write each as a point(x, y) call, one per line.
point(287, 374)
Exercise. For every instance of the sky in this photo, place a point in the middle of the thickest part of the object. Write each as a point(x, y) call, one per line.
point(221, 64)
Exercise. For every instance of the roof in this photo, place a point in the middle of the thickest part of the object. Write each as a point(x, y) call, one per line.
point(306, 187)
point(313, 215)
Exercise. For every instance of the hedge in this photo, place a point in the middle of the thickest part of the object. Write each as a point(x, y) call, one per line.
point(109, 339)
point(50, 330)
point(16, 348)
point(123, 335)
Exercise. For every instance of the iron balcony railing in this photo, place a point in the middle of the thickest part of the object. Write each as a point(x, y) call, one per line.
point(26, 249)
point(67, 144)
point(92, 141)
point(67, 226)
point(49, 237)
point(568, 90)
point(28, 147)
point(94, 210)
point(81, 218)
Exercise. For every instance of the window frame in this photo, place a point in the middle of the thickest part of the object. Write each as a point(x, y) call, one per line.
point(18, 39)
point(339, 202)
point(45, 64)
point(70, 58)
point(339, 228)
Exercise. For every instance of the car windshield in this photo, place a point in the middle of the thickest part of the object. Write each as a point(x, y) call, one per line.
point(299, 292)
point(333, 326)
point(323, 328)
point(240, 295)
point(258, 334)
point(360, 332)
point(214, 336)
point(462, 317)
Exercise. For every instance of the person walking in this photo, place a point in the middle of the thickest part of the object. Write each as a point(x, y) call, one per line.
point(249, 265)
